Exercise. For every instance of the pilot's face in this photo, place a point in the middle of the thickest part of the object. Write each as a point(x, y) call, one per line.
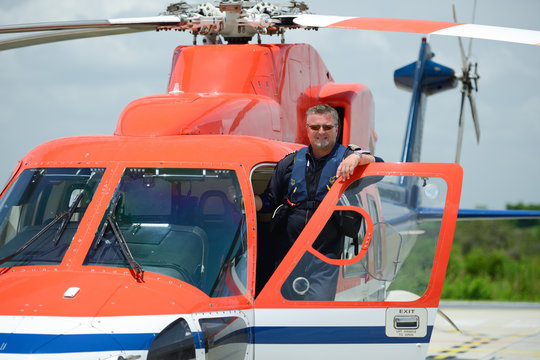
point(322, 132)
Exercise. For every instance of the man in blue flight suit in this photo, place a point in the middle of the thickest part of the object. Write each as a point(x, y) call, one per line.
point(298, 185)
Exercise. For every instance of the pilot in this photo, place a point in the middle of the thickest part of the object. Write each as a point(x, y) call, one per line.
point(298, 185)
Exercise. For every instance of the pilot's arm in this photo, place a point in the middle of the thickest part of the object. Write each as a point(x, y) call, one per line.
point(357, 158)
point(276, 190)
point(258, 202)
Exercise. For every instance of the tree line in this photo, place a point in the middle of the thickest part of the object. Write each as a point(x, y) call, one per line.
point(495, 260)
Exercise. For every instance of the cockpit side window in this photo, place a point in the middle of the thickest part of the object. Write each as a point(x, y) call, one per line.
point(185, 223)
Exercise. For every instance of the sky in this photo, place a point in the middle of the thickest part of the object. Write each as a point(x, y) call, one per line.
point(80, 87)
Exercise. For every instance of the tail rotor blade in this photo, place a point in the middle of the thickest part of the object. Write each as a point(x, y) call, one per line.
point(472, 22)
point(476, 77)
point(460, 128)
point(469, 83)
point(474, 116)
point(461, 49)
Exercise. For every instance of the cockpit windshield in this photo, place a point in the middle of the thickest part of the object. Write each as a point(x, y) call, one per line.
point(185, 223)
point(41, 211)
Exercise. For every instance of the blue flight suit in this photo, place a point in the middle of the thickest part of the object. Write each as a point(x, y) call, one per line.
point(306, 189)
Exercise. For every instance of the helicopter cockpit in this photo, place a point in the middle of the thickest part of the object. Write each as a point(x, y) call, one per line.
point(188, 224)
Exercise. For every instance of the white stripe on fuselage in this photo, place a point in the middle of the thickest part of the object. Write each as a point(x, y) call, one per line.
point(85, 325)
point(326, 317)
point(155, 323)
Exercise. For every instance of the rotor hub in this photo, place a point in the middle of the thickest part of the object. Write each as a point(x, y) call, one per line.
point(236, 21)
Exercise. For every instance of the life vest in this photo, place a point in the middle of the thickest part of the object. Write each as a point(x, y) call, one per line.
point(298, 192)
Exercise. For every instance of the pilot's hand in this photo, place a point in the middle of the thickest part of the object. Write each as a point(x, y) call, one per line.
point(347, 166)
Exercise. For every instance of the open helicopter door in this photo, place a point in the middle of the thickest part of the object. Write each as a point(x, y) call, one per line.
point(395, 227)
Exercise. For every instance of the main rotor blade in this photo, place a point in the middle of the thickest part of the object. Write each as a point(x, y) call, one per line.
point(63, 35)
point(150, 22)
point(460, 128)
point(522, 36)
point(71, 30)
point(474, 116)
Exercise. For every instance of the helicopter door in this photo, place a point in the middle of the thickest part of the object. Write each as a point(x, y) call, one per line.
point(392, 226)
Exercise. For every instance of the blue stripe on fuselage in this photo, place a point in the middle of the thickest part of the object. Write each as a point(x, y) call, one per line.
point(73, 343)
point(66, 343)
point(332, 335)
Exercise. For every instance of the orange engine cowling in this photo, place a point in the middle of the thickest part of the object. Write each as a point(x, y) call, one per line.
point(255, 90)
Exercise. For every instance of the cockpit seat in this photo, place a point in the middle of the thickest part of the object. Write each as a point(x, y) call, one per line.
point(215, 208)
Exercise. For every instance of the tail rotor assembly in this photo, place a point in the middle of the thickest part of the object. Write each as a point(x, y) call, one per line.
point(469, 84)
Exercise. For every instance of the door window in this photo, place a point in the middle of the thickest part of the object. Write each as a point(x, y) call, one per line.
point(387, 243)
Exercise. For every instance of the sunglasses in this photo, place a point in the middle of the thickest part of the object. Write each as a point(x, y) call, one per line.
point(317, 127)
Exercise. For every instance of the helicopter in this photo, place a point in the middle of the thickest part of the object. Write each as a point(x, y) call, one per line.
point(127, 245)
point(100, 61)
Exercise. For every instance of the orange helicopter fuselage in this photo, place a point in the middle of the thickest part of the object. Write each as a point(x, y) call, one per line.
point(230, 114)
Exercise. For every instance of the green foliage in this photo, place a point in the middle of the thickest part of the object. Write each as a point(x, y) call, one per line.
point(521, 206)
point(495, 260)
point(414, 275)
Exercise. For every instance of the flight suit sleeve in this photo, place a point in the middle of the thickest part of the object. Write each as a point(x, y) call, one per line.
point(353, 148)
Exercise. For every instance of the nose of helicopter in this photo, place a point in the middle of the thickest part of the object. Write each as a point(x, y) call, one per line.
point(44, 312)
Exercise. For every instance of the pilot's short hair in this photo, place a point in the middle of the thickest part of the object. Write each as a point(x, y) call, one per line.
point(323, 109)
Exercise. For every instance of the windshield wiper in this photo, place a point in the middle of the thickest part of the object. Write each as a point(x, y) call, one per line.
point(32, 239)
point(112, 210)
point(66, 216)
point(139, 272)
point(110, 220)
